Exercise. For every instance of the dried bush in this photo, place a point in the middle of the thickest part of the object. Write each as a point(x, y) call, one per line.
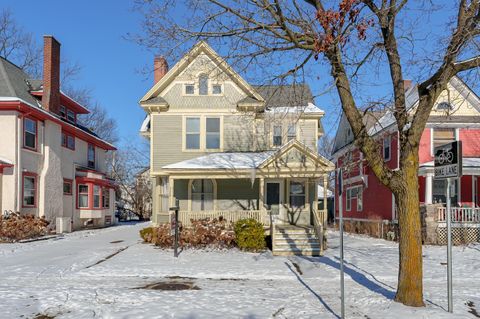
point(250, 235)
point(214, 233)
point(18, 227)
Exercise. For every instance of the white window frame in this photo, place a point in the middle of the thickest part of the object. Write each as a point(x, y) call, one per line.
point(199, 133)
point(213, 133)
point(218, 85)
point(349, 197)
point(291, 136)
point(274, 135)
point(206, 77)
point(304, 195)
point(185, 89)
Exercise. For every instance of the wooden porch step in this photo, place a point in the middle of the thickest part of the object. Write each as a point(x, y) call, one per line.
point(297, 252)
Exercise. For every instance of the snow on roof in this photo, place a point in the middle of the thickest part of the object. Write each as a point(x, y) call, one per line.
point(5, 161)
point(320, 192)
point(241, 160)
point(308, 109)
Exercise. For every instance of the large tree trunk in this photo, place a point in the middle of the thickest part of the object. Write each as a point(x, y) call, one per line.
point(410, 284)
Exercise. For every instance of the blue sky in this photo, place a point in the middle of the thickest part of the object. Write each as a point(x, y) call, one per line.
point(92, 34)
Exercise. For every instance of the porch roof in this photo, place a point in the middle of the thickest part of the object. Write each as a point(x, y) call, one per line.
point(234, 160)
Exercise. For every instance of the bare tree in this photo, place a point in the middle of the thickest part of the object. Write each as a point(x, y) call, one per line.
point(18, 45)
point(351, 38)
point(134, 187)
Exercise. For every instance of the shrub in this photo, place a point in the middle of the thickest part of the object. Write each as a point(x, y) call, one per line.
point(18, 227)
point(250, 235)
point(147, 234)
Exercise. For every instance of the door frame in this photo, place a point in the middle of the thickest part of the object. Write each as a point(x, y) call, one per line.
point(281, 206)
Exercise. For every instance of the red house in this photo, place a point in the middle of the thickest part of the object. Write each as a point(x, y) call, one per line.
point(455, 116)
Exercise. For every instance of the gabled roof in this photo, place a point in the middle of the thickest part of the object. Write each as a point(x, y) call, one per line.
point(285, 95)
point(14, 82)
point(199, 48)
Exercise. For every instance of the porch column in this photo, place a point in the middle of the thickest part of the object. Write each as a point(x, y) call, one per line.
point(261, 194)
point(428, 188)
point(171, 200)
point(325, 189)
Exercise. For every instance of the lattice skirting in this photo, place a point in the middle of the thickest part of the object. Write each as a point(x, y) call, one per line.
point(460, 236)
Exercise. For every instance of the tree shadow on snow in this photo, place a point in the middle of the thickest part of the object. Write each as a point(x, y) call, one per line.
point(356, 276)
point(312, 291)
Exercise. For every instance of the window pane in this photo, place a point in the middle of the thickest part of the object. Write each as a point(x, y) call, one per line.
point(189, 89)
point(193, 141)
point(28, 183)
point(82, 200)
point(70, 142)
point(67, 188)
point(217, 89)
point(29, 140)
point(203, 85)
point(193, 125)
point(277, 135)
point(297, 201)
point(213, 141)
point(297, 188)
point(292, 131)
point(83, 188)
point(70, 116)
point(207, 186)
point(213, 125)
point(91, 153)
point(30, 126)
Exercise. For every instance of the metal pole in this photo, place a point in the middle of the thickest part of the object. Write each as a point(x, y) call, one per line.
point(176, 233)
point(342, 275)
point(449, 249)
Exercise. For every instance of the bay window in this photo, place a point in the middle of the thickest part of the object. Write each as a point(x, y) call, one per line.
point(83, 196)
point(96, 196)
point(106, 197)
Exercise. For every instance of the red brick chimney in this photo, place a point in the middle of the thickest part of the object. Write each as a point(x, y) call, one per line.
point(407, 84)
point(160, 68)
point(51, 74)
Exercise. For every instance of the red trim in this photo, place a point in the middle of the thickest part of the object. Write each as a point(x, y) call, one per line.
point(67, 101)
point(78, 195)
point(43, 115)
point(69, 181)
point(91, 183)
point(35, 149)
point(2, 166)
point(34, 175)
point(101, 182)
point(65, 140)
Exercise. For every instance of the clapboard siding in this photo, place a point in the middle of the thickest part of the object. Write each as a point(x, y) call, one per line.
point(239, 134)
point(308, 133)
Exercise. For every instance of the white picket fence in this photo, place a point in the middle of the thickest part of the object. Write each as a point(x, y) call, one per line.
point(185, 217)
point(459, 215)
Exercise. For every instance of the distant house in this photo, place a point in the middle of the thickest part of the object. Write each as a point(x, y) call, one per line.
point(223, 147)
point(50, 165)
point(454, 117)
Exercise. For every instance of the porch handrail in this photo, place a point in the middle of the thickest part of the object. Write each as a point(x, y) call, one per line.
point(262, 216)
point(318, 226)
point(459, 214)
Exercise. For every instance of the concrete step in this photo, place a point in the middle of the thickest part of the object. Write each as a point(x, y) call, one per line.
point(297, 252)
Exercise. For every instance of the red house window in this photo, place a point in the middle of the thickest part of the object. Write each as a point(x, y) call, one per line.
point(67, 187)
point(29, 191)
point(30, 133)
point(92, 195)
point(68, 141)
point(91, 156)
point(83, 196)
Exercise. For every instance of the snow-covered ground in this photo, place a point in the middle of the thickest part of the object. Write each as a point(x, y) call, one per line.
point(96, 274)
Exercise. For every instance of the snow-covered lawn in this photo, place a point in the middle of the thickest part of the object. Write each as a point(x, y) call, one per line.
point(96, 274)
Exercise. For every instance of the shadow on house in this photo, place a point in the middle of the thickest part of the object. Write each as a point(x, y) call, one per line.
point(372, 285)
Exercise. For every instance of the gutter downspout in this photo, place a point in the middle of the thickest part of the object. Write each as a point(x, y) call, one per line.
point(18, 163)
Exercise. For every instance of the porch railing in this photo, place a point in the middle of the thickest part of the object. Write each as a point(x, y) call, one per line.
point(185, 217)
point(459, 214)
point(319, 220)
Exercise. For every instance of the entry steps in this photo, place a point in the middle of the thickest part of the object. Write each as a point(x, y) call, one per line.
point(295, 240)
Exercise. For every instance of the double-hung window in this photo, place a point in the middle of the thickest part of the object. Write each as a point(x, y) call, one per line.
point(192, 130)
point(96, 196)
point(30, 133)
point(91, 156)
point(68, 141)
point(202, 194)
point(203, 84)
point(297, 194)
point(67, 187)
point(277, 135)
point(106, 197)
point(70, 116)
point(354, 193)
point(291, 132)
point(29, 190)
point(83, 200)
point(213, 133)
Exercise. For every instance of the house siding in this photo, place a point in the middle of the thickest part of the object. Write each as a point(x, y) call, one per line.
point(308, 133)
point(238, 133)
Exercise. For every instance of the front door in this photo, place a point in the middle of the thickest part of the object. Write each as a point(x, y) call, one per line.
point(274, 198)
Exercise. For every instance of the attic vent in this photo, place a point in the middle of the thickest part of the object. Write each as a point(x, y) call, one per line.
point(444, 106)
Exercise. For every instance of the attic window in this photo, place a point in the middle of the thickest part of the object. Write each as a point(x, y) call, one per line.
point(216, 89)
point(203, 84)
point(444, 106)
point(189, 89)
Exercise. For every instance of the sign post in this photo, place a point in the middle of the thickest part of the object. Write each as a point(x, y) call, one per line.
point(174, 227)
point(340, 217)
point(448, 164)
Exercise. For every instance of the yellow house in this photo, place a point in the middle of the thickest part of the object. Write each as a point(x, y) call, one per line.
point(223, 147)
